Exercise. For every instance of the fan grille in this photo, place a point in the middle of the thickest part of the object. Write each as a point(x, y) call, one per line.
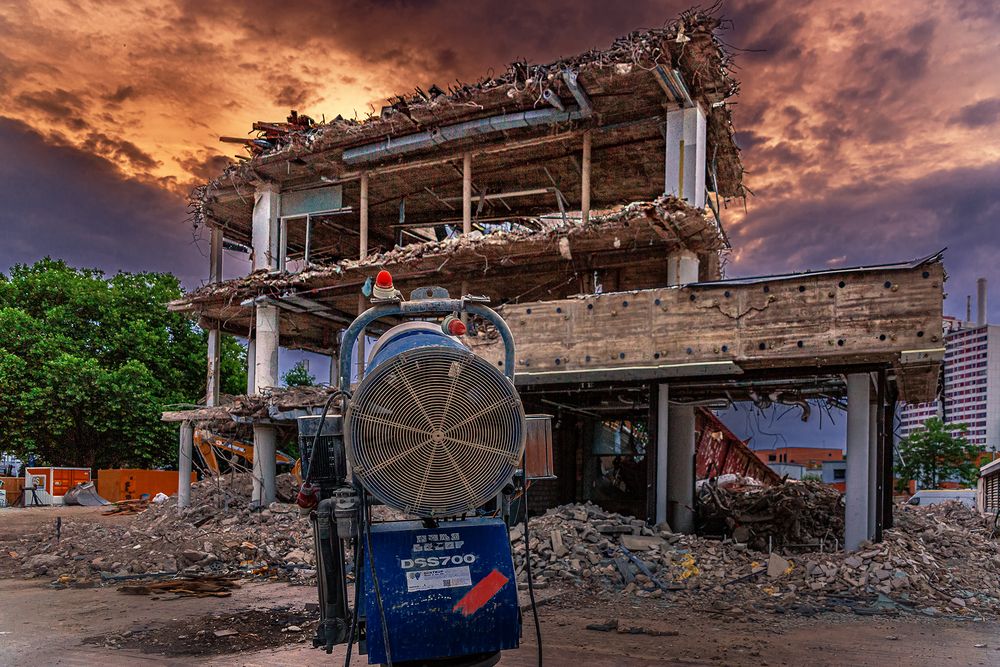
point(435, 431)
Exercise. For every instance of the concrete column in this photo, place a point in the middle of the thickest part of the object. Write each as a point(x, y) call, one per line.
point(213, 377)
point(334, 369)
point(264, 447)
point(363, 212)
point(872, 469)
point(680, 468)
point(251, 366)
point(858, 413)
point(265, 227)
point(685, 157)
point(467, 193)
point(184, 463)
point(213, 380)
point(266, 350)
point(585, 179)
point(662, 424)
point(682, 268)
point(265, 375)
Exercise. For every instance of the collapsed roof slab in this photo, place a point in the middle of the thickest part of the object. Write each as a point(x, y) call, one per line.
point(627, 90)
point(623, 248)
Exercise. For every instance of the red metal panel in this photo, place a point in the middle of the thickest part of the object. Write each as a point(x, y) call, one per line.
point(720, 452)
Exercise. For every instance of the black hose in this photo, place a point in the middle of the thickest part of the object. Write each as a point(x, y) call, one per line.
point(378, 592)
point(357, 596)
point(527, 568)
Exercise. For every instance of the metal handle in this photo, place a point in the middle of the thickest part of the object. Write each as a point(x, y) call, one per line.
point(424, 307)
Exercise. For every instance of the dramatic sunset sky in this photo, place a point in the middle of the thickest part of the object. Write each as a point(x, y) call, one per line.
point(870, 130)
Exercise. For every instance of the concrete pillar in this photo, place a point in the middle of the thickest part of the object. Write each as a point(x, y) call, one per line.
point(264, 447)
point(334, 369)
point(467, 193)
point(682, 268)
point(265, 227)
point(265, 375)
point(213, 374)
point(872, 469)
point(585, 179)
point(266, 349)
point(685, 156)
point(662, 423)
point(858, 413)
point(251, 366)
point(363, 212)
point(680, 468)
point(184, 464)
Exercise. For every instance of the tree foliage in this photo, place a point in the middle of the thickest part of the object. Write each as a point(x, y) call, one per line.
point(937, 453)
point(298, 376)
point(88, 362)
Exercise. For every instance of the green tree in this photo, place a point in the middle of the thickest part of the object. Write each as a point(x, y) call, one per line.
point(936, 453)
point(88, 363)
point(298, 376)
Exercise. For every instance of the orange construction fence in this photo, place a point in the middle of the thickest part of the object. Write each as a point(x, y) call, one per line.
point(132, 483)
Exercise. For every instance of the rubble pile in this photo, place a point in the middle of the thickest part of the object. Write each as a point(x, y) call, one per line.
point(937, 560)
point(216, 534)
point(795, 513)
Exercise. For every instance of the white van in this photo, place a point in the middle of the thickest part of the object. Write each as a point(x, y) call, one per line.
point(934, 496)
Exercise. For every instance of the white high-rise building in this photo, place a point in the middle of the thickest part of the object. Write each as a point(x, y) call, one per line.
point(971, 385)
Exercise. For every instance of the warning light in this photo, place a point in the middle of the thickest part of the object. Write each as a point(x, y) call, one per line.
point(453, 326)
point(383, 286)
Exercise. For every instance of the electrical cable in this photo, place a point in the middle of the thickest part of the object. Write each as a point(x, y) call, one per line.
point(378, 592)
point(527, 565)
point(357, 596)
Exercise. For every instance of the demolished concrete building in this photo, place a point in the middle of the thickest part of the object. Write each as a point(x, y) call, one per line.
point(586, 199)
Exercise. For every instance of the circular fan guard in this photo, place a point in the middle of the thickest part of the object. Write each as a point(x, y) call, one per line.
point(435, 431)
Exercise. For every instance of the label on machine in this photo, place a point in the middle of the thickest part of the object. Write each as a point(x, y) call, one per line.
point(448, 577)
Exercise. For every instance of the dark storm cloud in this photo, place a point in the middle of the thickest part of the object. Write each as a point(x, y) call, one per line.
point(69, 204)
point(120, 150)
point(878, 222)
point(121, 94)
point(983, 113)
point(58, 105)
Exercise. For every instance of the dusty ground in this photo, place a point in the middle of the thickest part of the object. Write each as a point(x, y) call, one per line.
point(100, 626)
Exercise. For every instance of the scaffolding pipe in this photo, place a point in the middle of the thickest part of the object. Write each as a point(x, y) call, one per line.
point(419, 141)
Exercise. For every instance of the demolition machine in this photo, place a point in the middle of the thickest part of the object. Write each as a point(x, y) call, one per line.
point(415, 473)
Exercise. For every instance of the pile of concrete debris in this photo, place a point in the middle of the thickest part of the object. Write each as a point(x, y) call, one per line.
point(937, 560)
point(805, 514)
point(216, 534)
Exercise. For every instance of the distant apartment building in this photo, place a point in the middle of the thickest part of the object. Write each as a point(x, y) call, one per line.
point(812, 458)
point(971, 385)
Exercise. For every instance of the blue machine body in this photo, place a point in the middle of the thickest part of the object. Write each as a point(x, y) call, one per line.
point(446, 591)
point(410, 336)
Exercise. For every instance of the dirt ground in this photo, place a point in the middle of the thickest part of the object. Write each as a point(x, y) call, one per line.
point(266, 623)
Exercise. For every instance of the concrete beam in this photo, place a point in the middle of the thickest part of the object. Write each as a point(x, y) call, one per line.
point(184, 464)
point(858, 414)
point(680, 467)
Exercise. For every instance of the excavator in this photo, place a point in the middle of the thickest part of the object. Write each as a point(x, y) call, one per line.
point(207, 442)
